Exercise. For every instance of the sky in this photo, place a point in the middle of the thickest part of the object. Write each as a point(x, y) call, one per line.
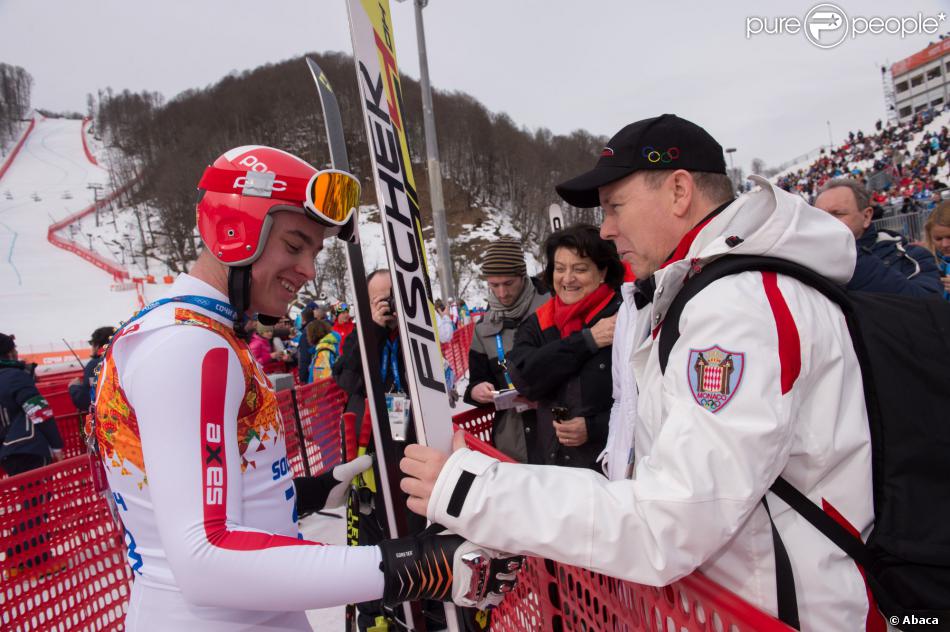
point(559, 64)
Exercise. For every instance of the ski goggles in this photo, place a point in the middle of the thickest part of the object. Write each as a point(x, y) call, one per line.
point(329, 196)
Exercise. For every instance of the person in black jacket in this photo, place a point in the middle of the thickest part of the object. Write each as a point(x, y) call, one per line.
point(348, 370)
point(886, 262)
point(81, 389)
point(29, 437)
point(513, 297)
point(562, 353)
point(348, 374)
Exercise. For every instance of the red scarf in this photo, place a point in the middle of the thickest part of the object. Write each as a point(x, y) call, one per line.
point(571, 318)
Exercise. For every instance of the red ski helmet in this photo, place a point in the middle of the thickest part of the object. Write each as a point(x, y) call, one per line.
point(242, 188)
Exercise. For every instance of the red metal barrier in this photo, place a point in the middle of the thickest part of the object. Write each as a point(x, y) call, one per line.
point(553, 596)
point(16, 149)
point(62, 560)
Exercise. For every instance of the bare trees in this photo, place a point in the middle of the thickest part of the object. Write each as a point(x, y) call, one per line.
point(16, 85)
point(487, 158)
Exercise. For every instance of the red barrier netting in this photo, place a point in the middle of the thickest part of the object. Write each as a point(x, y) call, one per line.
point(455, 351)
point(288, 416)
point(553, 596)
point(320, 406)
point(62, 561)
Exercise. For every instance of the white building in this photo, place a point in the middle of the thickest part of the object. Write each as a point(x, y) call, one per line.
point(922, 80)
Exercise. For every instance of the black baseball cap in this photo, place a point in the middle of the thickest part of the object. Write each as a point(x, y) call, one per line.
point(662, 142)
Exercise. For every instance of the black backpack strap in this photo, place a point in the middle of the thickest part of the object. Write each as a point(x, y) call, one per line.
point(784, 578)
point(831, 529)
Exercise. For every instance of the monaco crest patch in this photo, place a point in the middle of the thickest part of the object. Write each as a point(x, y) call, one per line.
point(714, 376)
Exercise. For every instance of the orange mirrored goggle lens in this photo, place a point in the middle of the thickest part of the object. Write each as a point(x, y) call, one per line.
point(332, 196)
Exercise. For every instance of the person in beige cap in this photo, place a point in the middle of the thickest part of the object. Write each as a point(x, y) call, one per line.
point(513, 297)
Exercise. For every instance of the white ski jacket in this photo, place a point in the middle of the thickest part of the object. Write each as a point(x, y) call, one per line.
point(762, 382)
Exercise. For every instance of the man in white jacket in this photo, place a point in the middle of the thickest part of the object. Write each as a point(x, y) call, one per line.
point(762, 382)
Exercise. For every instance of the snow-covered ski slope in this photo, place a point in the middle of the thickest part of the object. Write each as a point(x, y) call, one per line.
point(46, 293)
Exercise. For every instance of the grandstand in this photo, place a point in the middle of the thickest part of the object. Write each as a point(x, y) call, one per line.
point(921, 80)
point(905, 164)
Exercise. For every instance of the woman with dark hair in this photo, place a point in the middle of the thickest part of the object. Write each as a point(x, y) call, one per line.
point(561, 355)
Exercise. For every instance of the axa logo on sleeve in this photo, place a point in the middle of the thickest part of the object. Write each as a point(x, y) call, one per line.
point(827, 25)
point(214, 474)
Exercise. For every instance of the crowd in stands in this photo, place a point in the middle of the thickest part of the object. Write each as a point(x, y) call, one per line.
point(904, 176)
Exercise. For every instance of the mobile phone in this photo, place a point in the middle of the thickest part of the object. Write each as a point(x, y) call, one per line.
point(560, 413)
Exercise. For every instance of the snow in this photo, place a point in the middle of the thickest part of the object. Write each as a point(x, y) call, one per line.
point(47, 293)
point(319, 528)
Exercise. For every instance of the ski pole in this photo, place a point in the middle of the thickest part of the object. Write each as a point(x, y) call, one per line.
point(74, 354)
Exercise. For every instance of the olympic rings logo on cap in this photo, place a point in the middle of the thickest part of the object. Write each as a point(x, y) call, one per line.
point(655, 156)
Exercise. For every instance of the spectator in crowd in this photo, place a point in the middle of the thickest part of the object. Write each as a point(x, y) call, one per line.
point(348, 374)
point(29, 437)
point(326, 345)
point(81, 389)
point(886, 262)
point(453, 312)
point(513, 296)
point(261, 344)
point(561, 357)
point(304, 347)
point(348, 371)
point(705, 455)
point(443, 322)
point(343, 324)
point(446, 330)
point(937, 235)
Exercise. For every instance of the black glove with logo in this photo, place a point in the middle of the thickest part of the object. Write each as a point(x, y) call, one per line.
point(446, 568)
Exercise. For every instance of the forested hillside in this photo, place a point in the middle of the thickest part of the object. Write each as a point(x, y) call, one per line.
point(490, 163)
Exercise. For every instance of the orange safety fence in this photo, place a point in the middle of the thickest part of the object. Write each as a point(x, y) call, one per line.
point(312, 414)
point(455, 351)
point(554, 596)
point(62, 561)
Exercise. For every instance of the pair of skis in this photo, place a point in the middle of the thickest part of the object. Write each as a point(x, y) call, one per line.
point(382, 103)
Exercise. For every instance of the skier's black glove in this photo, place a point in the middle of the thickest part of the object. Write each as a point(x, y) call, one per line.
point(328, 491)
point(446, 567)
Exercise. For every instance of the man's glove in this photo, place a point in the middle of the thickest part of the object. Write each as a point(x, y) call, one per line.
point(328, 491)
point(444, 567)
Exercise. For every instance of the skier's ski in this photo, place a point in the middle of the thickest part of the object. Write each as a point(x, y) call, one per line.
point(380, 87)
point(388, 452)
